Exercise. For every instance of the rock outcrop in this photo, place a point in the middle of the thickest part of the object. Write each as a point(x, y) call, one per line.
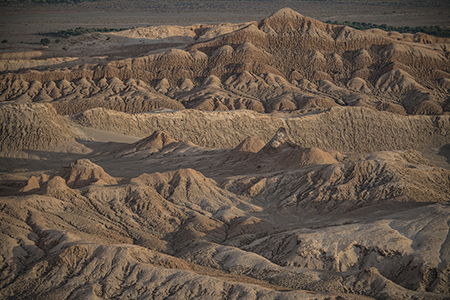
point(263, 66)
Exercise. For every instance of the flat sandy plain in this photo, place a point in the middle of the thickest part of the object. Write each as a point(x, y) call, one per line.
point(24, 23)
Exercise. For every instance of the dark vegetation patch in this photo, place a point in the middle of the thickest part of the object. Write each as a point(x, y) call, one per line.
point(81, 30)
point(431, 30)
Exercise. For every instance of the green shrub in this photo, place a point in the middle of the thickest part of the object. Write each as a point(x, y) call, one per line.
point(45, 41)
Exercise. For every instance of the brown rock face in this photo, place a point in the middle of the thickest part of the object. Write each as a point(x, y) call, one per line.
point(83, 172)
point(157, 141)
point(250, 144)
point(286, 62)
point(36, 127)
point(288, 159)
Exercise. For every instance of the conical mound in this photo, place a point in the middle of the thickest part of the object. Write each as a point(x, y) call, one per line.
point(156, 142)
point(188, 186)
point(250, 144)
point(83, 172)
point(282, 153)
point(281, 140)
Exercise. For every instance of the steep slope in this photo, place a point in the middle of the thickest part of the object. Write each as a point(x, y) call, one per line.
point(153, 143)
point(340, 229)
point(36, 127)
point(347, 129)
point(344, 186)
point(282, 154)
point(279, 159)
point(250, 144)
point(285, 62)
point(156, 279)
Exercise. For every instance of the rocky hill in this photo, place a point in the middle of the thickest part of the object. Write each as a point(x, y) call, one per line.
point(286, 62)
point(285, 218)
point(279, 159)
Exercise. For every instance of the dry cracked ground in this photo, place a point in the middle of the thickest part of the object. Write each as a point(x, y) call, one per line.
point(280, 159)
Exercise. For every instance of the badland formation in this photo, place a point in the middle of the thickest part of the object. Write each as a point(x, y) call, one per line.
point(280, 159)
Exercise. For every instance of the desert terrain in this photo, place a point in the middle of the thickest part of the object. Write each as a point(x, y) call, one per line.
point(267, 155)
